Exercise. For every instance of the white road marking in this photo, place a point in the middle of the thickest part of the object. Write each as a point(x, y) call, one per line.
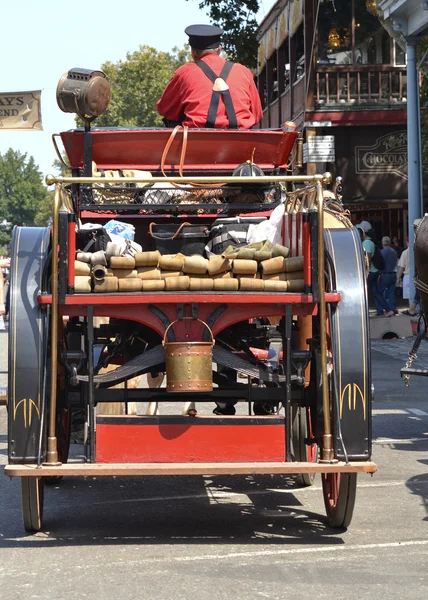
point(326, 552)
point(389, 411)
point(399, 440)
point(418, 412)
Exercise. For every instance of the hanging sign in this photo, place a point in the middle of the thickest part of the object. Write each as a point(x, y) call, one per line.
point(20, 110)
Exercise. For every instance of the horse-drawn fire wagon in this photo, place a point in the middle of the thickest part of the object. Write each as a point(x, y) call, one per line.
point(196, 254)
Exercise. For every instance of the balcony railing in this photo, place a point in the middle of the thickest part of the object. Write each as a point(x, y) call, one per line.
point(337, 86)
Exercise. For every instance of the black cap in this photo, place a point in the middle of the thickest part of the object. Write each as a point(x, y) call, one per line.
point(202, 37)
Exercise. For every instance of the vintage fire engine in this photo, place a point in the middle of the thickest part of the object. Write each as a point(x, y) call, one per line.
point(241, 282)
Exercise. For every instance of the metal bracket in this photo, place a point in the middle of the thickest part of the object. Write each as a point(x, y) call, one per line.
point(400, 25)
point(195, 311)
point(300, 360)
point(180, 312)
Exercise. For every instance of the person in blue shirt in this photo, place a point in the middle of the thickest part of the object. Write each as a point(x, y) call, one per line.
point(388, 278)
point(374, 274)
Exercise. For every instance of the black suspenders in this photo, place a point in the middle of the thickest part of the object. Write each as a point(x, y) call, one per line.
point(227, 98)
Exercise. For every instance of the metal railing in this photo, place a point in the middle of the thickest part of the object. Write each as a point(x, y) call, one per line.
point(361, 85)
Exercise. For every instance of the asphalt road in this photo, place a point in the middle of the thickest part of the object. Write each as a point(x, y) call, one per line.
point(234, 538)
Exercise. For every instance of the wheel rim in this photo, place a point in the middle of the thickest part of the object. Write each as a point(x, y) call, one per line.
point(32, 495)
point(331, 484)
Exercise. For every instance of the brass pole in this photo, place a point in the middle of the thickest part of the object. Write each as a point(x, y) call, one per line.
point(318, 178)
point(327, 451)
point(52, 452)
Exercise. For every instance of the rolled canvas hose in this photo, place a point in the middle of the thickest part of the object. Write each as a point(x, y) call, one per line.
point(130, 285)
point(125, 273)
point(276, 286)
point(109, 284)
point(226, 284)
point(81, 268)
point(201, 283)
point(254, 285)
point(82, 284)
point(244, 267)
point(294, 264)
point(195, 264)
point(99, 258)
point(152, 285)
point(147, 259)
point(122, 262)
point(218, 264)
point(148, 273)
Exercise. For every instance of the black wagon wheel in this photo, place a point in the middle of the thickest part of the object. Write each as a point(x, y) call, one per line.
point(349, 375)
point(301, 432)
point(339, 490)
point(28, 330)
point(32, 497)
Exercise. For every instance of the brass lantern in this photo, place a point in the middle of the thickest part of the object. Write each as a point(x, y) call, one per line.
point(84, 92)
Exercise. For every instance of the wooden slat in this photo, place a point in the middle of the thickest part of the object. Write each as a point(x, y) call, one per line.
point(128, 298)
point(104, 470)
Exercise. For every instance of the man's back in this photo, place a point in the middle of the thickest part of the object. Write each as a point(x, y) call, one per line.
point(190, 90)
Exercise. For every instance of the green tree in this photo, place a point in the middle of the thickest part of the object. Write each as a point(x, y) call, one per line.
point(137, 84)
point(22, 193)
point(238, 20)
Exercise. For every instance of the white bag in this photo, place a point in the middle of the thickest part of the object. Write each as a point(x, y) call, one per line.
point(271, 229)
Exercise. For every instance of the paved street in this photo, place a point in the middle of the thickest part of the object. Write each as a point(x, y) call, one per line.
point(234, 538)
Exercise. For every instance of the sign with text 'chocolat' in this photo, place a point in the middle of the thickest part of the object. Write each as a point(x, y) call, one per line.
point(20, 110)
point(387, 155)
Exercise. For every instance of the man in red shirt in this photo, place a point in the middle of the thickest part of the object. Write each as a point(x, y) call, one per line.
point(210, 92)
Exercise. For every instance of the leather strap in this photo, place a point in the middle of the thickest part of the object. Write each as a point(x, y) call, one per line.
point(215, 98)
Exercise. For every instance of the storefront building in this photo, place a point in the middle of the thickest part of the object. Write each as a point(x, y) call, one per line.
point(333, 69)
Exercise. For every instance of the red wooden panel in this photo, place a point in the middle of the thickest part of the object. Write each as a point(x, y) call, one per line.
point(124, 439)
point(215, 149)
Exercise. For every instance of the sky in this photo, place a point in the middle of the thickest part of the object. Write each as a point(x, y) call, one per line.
point(48, 38)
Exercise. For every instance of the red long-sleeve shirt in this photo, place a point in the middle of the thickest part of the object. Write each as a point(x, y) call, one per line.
point(189, 93)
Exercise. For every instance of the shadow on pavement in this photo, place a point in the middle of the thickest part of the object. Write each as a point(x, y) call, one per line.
point(183, 510)
point(418, 485)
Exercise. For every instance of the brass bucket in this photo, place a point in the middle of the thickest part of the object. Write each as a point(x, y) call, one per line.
point(189, 364)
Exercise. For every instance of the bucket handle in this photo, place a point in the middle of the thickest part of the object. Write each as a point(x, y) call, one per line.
point(192, 319)
point(157, 237)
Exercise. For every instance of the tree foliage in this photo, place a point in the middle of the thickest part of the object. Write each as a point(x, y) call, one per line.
point(23, 197)
point(137, 84)
point(238, 20)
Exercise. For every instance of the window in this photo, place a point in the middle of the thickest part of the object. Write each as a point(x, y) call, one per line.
point(299, 40)
point(349, 34)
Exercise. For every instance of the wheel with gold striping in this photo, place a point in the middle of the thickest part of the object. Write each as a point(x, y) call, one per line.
point(349, 370)
point(32, 497)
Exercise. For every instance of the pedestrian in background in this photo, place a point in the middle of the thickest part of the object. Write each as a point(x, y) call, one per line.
point(388, 277)
point(396, 246)
point(374, 273)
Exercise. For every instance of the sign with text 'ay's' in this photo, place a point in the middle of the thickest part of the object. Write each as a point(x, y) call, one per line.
point(20, 110)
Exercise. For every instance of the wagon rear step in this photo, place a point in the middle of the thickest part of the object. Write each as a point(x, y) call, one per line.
point(78, 469)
